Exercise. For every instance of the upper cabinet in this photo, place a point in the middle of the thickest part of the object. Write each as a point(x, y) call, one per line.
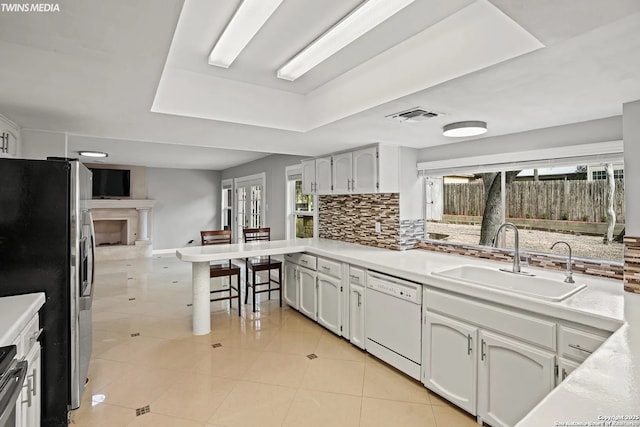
point(354, 172)
point(9, 138)
point(316, 176)
point(342, 173)
point(365, 171)
point(323, 175)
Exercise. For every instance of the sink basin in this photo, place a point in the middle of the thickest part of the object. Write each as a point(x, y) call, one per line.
point(531, 286)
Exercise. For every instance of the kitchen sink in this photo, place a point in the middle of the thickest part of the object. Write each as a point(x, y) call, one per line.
point(531, 286)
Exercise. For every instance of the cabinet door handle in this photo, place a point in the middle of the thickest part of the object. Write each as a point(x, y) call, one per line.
point(577, 347)
point(359, 302)
point(564, 374)
point(468, 344)
point(30, 390)
point(482, 348)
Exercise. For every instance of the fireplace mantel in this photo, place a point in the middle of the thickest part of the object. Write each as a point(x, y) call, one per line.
point(122, 204)
point(133, 218)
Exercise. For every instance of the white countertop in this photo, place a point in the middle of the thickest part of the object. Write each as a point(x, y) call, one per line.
point(600, 305)
point(15, 312)
point(606, 384)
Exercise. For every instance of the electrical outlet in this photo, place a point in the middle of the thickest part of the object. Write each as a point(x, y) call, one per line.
point(378, 228)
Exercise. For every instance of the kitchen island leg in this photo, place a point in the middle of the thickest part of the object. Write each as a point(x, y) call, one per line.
point(201, 308)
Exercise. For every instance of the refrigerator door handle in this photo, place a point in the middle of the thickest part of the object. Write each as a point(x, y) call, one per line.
point(93, 249)
point(86, 300)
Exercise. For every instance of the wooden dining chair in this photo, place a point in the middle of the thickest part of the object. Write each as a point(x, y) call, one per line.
point(255, 265)
point(224, 268)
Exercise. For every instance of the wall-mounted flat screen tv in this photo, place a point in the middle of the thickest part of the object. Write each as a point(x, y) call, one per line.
point(111, 183)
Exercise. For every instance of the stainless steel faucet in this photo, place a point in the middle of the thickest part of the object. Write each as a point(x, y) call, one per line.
point(569, 273)
point(516, 256)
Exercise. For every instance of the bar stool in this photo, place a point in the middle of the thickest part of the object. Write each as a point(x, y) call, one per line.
point(223, 269)
point(255, 265)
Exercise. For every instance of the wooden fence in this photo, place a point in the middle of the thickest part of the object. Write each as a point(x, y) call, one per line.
point(560, 200)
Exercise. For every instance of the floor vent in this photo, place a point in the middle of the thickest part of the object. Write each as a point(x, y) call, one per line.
point(216, 345)
point(312, 356)
point(135, 334)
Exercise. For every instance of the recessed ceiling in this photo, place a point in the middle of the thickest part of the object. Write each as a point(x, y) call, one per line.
point(94, 69)
point(453, 42)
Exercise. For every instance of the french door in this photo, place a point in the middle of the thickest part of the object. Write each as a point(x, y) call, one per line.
point(249, 203)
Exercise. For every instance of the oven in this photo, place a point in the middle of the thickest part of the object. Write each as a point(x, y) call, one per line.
point(12, 377)
point(393, 316)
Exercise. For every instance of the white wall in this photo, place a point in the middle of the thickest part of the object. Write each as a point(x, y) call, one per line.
point(411, 186)
point(631, 133)
point(274, 167)
point(187, 202)
point(38, 144)
point(601, 130)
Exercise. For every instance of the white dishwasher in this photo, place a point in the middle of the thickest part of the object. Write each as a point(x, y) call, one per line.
point(393, 322)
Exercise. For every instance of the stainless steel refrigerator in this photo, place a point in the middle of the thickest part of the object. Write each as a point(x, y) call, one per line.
point(47, 245)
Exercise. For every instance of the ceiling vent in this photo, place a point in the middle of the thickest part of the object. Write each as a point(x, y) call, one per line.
point(413, 115)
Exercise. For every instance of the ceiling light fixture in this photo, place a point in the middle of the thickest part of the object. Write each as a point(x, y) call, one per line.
point(359, 21)
point(243, 26)
point(93, 154)
point(461, 129)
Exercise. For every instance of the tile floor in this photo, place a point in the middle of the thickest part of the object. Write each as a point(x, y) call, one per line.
point(259, 376)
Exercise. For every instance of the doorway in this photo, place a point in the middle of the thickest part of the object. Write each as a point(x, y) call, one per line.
point(250, 203)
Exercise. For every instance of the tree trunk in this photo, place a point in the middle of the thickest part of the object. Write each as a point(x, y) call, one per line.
point(611, 213)
point(492, 215)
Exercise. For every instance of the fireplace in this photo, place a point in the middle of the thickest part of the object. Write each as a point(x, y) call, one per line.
point(122, 228)
point(110, 232)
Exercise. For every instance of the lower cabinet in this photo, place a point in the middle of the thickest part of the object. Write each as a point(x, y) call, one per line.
point(30, 397)
point(487, 374)
point(290, 294)
point(307, 301)
point(512, 378)
point(356, 315)
point(449, 360)
point(565, 367)
point(330, 303)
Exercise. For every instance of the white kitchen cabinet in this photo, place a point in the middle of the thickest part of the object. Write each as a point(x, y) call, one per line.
point(512, 378)
point(449, 359)
point(30, 397)
point(576, 344)
point(307, 302)
point(290, 293)
point(308, 176)
point(356, 315)
point(316, 176)
point(9, 138)
point(342, 173)
point(565, 367)
point(365, 171)
point(323, 175)
point(355, 172)
point(329, 302)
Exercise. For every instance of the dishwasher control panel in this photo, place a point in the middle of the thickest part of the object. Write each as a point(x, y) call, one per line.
point(398, 288)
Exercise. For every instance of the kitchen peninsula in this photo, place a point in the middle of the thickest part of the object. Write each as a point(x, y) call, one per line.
point(605, 384)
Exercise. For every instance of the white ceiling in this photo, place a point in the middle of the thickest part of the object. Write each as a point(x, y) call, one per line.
point(94, 70)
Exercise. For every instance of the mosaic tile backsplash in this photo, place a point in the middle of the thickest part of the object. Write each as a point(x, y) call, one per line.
point(632, 264)
point(352, 218)
point(595, 268)
point(411, 232)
